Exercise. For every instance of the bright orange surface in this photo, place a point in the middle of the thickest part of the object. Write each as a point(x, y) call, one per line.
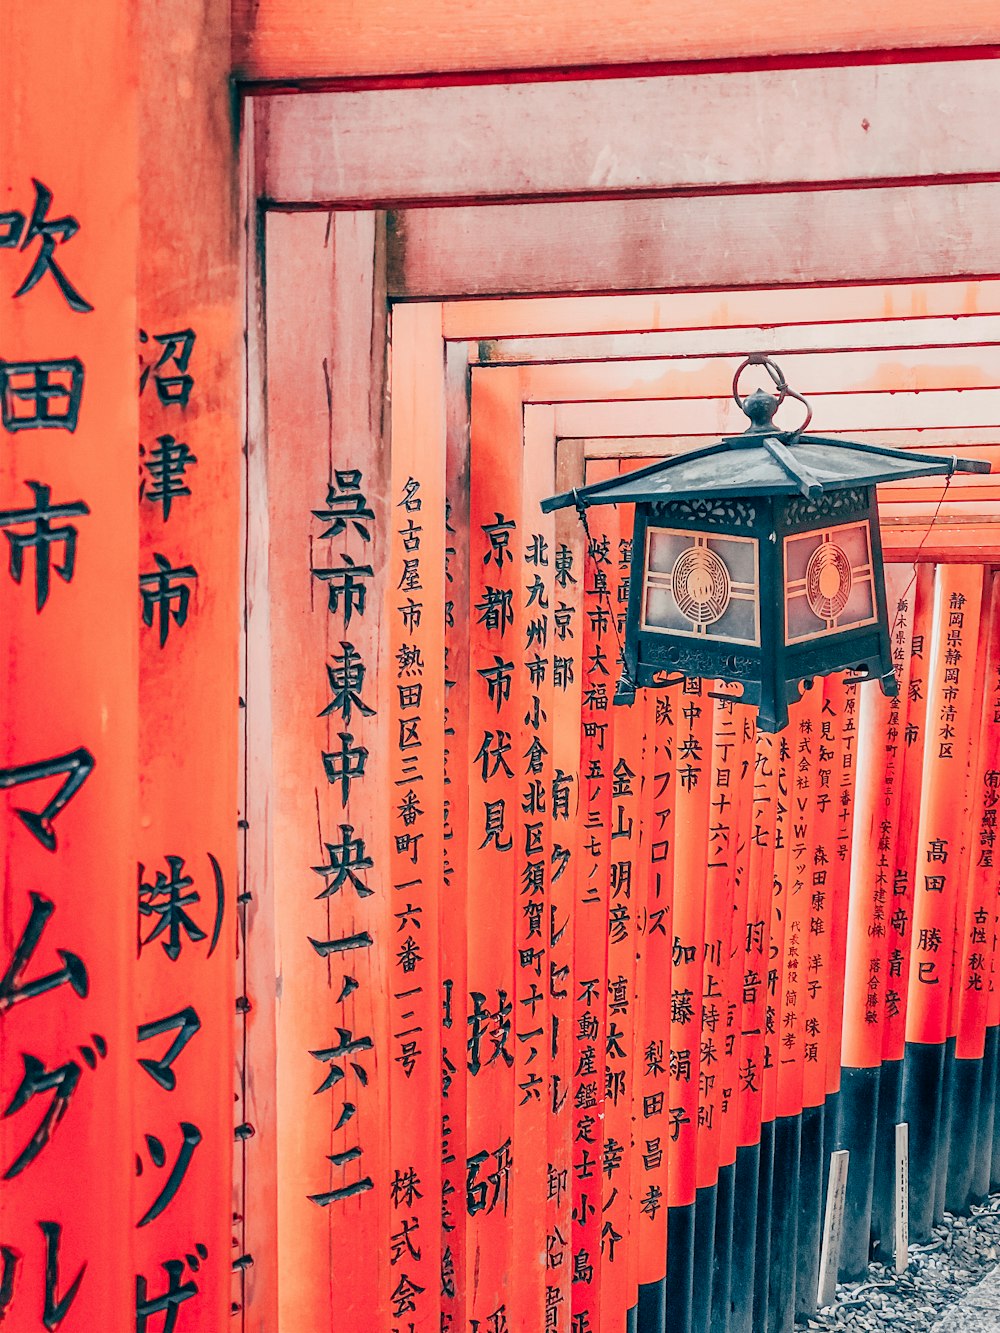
point(68, 671)
point(283, 39)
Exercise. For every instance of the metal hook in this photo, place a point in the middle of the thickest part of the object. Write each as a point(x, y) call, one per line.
point(782, 386)
point(774, 370)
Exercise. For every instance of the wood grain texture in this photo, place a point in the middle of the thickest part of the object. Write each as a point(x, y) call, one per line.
point(883, 234)
point(966, 331)
point(286, 39)
point(815, 374)
point(839, 412)
point(944, 799)
point(725, 131)
point(723, 309)
point(188, 278)
point(68, 676)
point(323, 360)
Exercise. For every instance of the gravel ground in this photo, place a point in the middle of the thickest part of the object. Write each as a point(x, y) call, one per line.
point(950, 1285)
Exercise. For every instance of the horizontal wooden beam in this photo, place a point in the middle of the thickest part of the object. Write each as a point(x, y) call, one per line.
point(845, 413)
point(326, 39)
point(979, 442)
point(810, 373)
point(964, 331)
point(704, 132)
point(820, 237)
point(721, 309)
point(956, 543)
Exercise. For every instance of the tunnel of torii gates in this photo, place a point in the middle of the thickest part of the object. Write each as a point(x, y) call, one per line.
point(362, 968)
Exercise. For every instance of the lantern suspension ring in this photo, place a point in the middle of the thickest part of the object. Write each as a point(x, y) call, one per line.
point(760, 407)
point(757, 559)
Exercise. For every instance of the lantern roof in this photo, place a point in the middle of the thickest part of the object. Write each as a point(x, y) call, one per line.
point(765, 460)
point(772, 463)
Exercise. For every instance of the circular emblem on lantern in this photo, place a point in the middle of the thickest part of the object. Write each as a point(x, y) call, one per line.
point(700, 584)
point(828, 581)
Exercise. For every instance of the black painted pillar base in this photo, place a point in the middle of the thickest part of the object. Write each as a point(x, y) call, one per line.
point(890, 1085)
point(762, 1261)
point(744, 1238)
point(944, 1128)
point(923, 1075)
point(631, 1319)
point(704, 1254)
point(680, 1267)
point(651, 1316)
point(966, 1081)
point(830, 1121)
point(984, 1126)
point(856, 1121)
point(809, 1231)
point(784, 1224)
point(723, 1256)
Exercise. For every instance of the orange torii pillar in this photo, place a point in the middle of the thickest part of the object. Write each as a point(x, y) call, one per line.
point(692, 793)
point(749, 1083)
point(973, 934)
point(919, 608)
point(957, 592)
point(775, 910)
point(875, 811)
point(69, 625)
point(713, 1224)
point(800, 834)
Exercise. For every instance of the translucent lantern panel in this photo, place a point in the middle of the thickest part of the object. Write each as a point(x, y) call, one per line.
point(700, 584)
point(829, 581)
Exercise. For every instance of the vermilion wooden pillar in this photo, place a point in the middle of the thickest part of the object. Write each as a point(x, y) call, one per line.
point(870, 910)
point(189, 514)
point(498, 737)
point(567, 627)
point(68, 632)
point(957, 596)
point(320, 934)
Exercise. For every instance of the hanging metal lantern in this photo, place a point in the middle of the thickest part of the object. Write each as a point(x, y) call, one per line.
point(758, 559)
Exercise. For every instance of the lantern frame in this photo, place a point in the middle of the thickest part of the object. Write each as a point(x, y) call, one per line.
point(766, 486)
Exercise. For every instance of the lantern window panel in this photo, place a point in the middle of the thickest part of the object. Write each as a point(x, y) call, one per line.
point(703, 585)
point(829, 581)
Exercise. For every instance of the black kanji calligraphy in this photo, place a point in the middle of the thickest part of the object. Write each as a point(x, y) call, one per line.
point(498, 678)
point(347, 858)
point(167, 899)
point(41, 395)
point(41, 537)
point(16, 229)
point(165, 592)
point(346, 503)
point(483, 1195)
point(345, 765)
point(165, 464)
point(346, 676)
point(360, 1186)
point(172, 389)
point(190, 1138)
point(361, 940)
point(187, 1023)
point(73, 972)
point(61, 1082)
point(346, 587)
point(77, 765)
point(169, 1301)
point(348, 1047)
point(498, 541)
point(55, 1308)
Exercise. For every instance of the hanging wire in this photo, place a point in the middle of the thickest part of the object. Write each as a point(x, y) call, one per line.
point(581, 510)
point(897, 622)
